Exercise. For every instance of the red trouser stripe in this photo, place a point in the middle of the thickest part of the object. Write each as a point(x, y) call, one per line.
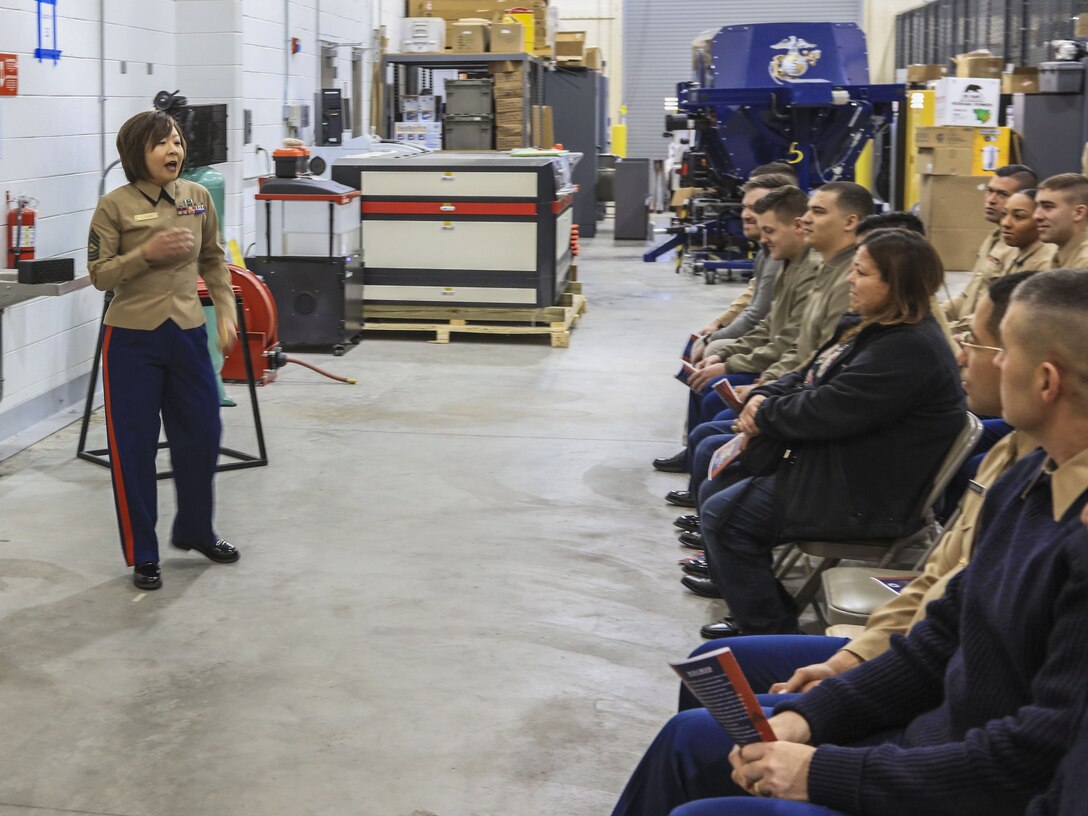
point(115, 457)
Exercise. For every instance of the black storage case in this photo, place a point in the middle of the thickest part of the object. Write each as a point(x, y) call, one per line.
point(47, 270)
point(319, 301)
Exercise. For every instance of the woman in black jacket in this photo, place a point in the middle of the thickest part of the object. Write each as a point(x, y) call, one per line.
point(863, 429)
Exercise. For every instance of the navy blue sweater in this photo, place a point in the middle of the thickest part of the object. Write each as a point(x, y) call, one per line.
point(987, 687)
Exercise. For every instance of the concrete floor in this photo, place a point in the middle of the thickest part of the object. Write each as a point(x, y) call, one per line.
point(457, 595)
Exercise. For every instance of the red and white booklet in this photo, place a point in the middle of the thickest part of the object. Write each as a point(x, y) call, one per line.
point(716, 680)
point(725, 455)
point(724, 389)
point(685, 372)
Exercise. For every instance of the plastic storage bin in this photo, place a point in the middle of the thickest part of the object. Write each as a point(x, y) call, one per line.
point(468, 132)
point(1061, 77)
point(469, 97)
point(423, 35)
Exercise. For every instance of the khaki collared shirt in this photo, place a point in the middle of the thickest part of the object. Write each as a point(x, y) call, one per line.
point(1073, 255)
point(829, 301)
point(994, 257)
point(146, 295)
point(1068, 482)
point(777, 332)
point(951, 554)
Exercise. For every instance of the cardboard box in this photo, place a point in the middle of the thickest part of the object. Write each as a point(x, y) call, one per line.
point(1081, 25)
point(507, 38)
point(951, 209)
point(920, 74)
point(957, 248)
point(509, 105)
point(967, 102)
point(961, 151)
point(979, 66)
point(453, 10)
point(945, 161)
point(1020, 80)
point(543, 126)
point(594, 59)
point(570, 47)
point(944, 137)
point(467, 36)
point(422, 134)
point(954, 200)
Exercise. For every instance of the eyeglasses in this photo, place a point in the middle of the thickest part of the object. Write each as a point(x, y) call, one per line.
point(967, 339)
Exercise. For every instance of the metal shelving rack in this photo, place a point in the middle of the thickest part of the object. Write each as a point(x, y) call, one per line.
point(411, 72)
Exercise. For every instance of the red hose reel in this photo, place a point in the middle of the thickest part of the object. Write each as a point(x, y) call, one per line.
point(262, 335)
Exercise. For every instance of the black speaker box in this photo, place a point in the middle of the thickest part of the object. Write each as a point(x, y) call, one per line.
point(319, 301)
point(47, 270)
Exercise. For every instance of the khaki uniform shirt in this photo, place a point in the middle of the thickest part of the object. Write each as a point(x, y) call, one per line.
point(738, 305)
point(1034, 258)
point(777, 332)
point(146, 295)
point(1073, 255)
point(829, 301)
point(948, 557)
point(992, 263)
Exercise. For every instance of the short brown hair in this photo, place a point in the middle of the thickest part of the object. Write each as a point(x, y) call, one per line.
point(138, 135)
point(1073, 185)
point(850, 198)
point(910, 266)
point(768, 181)
point(786, 203)
point(1058, 304)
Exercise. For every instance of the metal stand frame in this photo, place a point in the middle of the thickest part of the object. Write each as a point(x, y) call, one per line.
point(245, 460)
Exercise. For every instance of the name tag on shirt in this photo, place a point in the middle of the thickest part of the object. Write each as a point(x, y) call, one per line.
point(151, 216)
point(975, 487)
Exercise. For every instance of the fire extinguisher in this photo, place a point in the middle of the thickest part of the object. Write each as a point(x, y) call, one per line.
point(22, 228)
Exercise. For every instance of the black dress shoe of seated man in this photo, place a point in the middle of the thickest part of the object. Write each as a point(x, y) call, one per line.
point(688, 521)
point(693, 541)
point(726, 627)
point(681, 498)
point(147, 575)
point(222, 551)
point(673, 464)
point(703, 587)
point(696, 566)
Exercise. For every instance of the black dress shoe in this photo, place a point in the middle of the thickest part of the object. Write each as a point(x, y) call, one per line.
point(689, 522)
point(696, 566)
point(147, 575)
point(726, 627)
point(673, 464)
point(681, 498)
point(703, 587)
point(693, 541)
point(222, 551)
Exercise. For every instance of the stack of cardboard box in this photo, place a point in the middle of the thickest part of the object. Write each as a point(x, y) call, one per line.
point(955, 164)
point(511, 104)
point(494, 11)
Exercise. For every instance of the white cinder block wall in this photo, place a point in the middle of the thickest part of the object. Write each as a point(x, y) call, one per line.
point(56, 137)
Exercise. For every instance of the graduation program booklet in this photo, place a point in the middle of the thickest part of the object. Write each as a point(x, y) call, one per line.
point(895, 583)
point(716, 680)
point(725, 390)
point(685, 372)
point(686, 355)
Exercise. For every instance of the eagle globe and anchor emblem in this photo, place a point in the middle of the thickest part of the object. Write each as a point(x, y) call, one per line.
point(791, 66)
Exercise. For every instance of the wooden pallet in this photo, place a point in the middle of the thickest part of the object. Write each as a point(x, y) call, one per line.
point(555, 321)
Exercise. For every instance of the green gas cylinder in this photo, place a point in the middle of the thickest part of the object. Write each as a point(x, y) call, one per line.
point(213, 181)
